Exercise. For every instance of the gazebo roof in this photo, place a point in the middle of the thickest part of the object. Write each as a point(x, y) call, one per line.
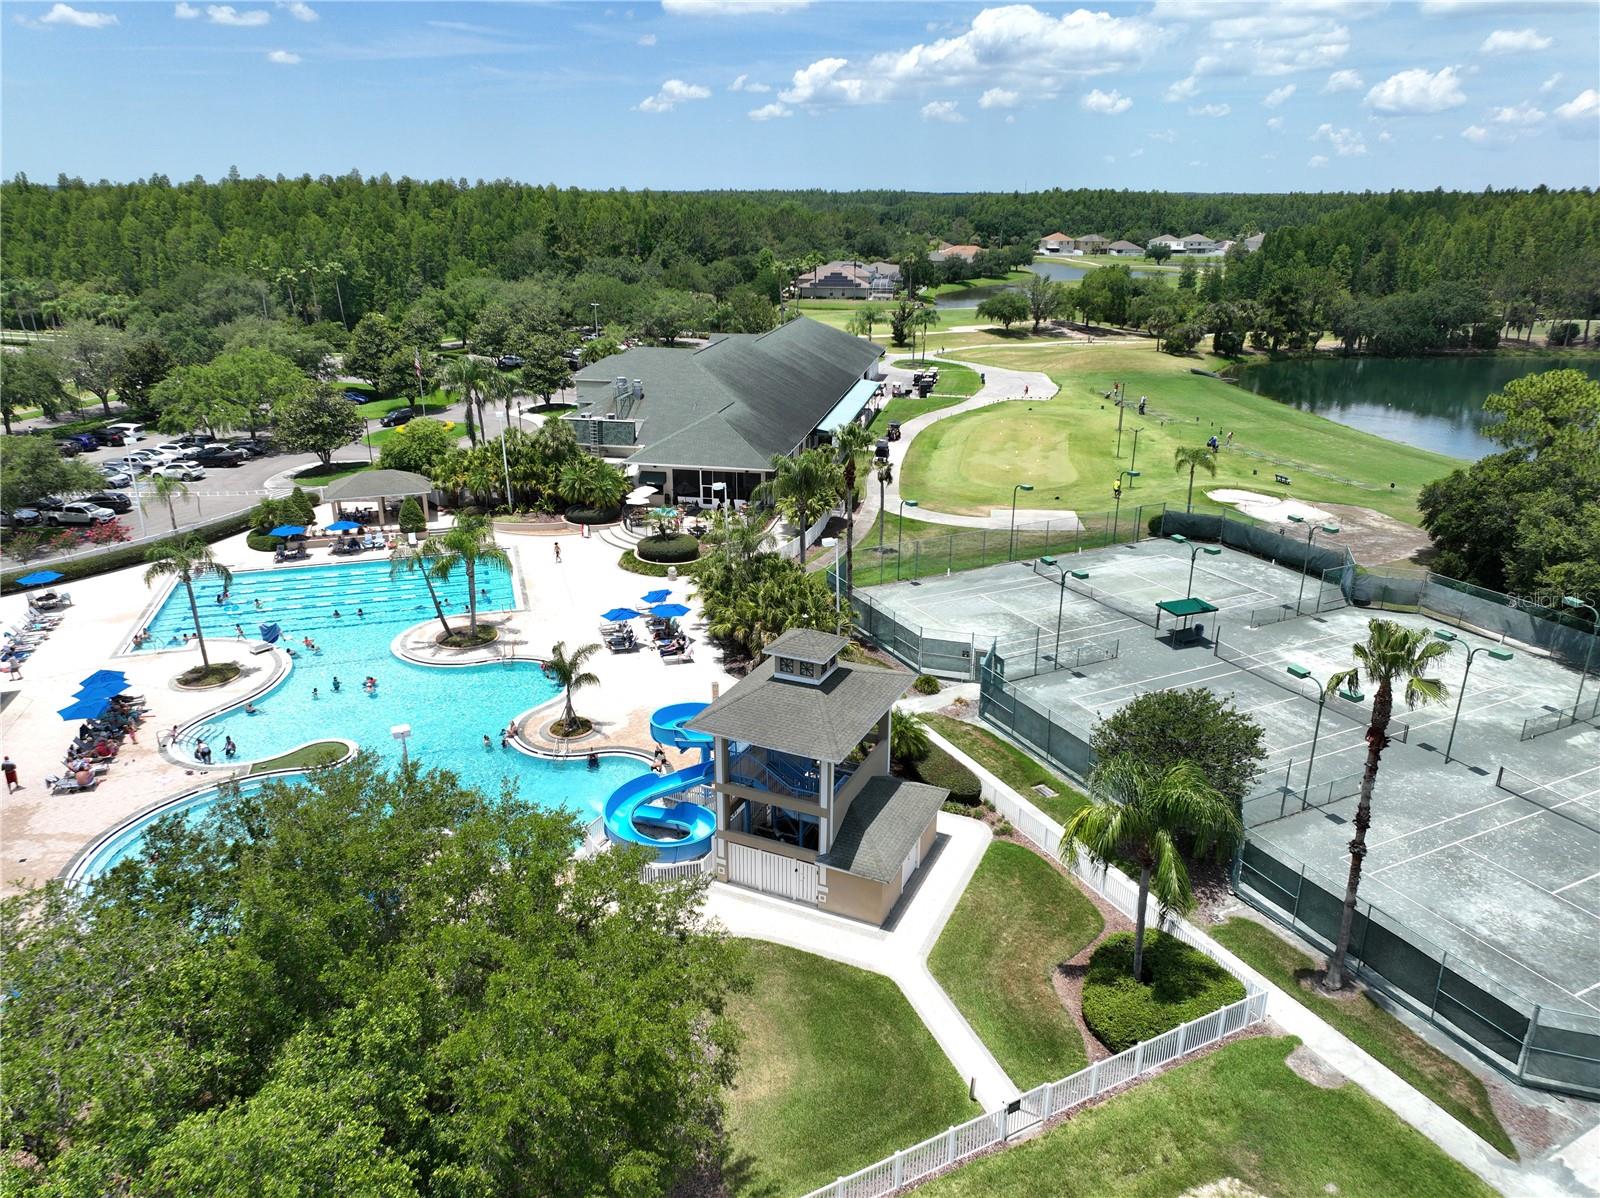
point(377, 484)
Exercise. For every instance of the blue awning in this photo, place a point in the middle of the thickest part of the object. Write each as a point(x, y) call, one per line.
point(848, 408)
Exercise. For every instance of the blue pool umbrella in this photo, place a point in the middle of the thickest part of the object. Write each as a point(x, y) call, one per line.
point(669, 611)
point(101, 690)
point(289, 530)
point(343, 526)
point(90, 708)
point(99, 677)
point(620, 613)
point(39, 578)
point(656, 596)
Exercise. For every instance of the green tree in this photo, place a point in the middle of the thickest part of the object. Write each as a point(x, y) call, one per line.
point(1188, 275)
point(863, 320)
point(466, 377)
point(901, 321)
point(1007, 308)
point(406, 559)
point(145, 364)
point(1391, 653)
point(186, 558)
point(465, 546)
point(1138, 812)
point(592, 483)
point(1157, 253)
point(1046, 299)
point(908, 738)
point(32, 467)
point(567, 671)
point(373, 344)
point(418, 446)
point(411, 520)
point(190, 398)
point(295, 343)
point(1192, 458)
point(167, 491)
point(258, 380)
point(318, 421)
point(1162, 728)
point(802, 487)
point(544, 370)
point(851, 444)
point(91, 356)
point(926, 318)
point(29, 380)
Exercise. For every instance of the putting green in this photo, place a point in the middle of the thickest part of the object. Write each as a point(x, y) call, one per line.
point(985, 453)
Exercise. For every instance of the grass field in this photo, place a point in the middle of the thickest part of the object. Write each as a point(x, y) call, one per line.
point(318, 476)
point(1066, 446)
point(954, 379)
point(1238, 1112)
point(1453, 1086)
point(1017, 921)
point(322, 752)
point(836, 1071)
point(1010, 764)
point(906, 408)
point(956, 290)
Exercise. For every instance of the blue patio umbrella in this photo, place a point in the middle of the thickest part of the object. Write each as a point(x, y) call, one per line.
point(343, 526)
point(669, 611)
point(100, 677)
point(101, 690)
point(39, 578)
point(90, 708)
point(656, 596)
point(620, 613)
point(289, 530)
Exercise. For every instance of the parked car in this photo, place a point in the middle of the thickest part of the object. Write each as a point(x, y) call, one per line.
point(358, 396)
point(26, 517)
point(46, 504)
point(186, 471)
point(398, 417)
point(69, 449)
point(508, 361)
point(117, 478)
point(84, 441)
point(173, 448)
point(194, 440)
point(81, 512)
point(107, 436)
point(117, 503)
point(130, 430)
point(218, 455)
point(256, 447)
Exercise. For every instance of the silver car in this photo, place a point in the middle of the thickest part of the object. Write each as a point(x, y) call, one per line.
point(187, 471)
point(81, 513)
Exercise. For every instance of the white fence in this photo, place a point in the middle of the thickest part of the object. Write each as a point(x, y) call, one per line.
point(675, 871)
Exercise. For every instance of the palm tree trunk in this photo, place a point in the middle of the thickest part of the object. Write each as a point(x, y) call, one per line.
point(1138, 923)
point(1377, 738)
point(194, 610)
point(571, 714)
point(472, 597)
point(438, 608)
point(1189, 506)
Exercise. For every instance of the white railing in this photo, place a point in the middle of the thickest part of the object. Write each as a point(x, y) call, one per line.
point(676, 871)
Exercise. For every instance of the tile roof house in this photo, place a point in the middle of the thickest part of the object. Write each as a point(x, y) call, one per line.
point(1091, 243)
point(849, 280)
point(1124, 249)
point(1199, 243)
point(807, 808)
point(946, 250)
point(1175, 244)
point(1054, 243)
point(683, 420)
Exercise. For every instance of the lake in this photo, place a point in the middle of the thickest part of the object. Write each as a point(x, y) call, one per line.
point(1067, 272)
point(1427, 403)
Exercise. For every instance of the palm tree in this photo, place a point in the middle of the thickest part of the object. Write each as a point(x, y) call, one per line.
point(470, 542)
point(403, 560)
point(566, 670)
point(802, 487)
point(467, 375)
point(908, 739)
point(1194, 457)
point(168, 491)
point(593, 483)
point(186, 558)
point(1136, 813)
point(498, 388)
point(852, 442)
point(925, 318)
point(1392, 652)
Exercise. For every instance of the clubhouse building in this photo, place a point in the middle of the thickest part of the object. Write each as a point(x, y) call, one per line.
point(703, 423)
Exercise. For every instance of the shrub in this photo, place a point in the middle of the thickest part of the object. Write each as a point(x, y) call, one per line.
point(301, 506)
point(680, 547)
point(926, 684)
point(262, 543)
point(411, 516)
point(1183, 984)
point(596, 515)
point(633, 565)
point(104, 561)
point(1154, 523)
point(940, 769)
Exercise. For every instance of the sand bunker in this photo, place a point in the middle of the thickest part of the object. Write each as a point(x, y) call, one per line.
point(1268, 507)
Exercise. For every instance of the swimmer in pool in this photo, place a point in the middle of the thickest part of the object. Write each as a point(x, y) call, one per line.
point(336, 683)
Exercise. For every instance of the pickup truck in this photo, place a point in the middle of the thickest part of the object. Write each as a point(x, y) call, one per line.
point(217, 455)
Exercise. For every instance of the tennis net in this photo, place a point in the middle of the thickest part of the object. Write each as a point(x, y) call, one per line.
point(1568, 807)
point(1275, 672)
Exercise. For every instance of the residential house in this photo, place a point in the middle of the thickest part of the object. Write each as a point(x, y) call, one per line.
point(849, 280)
point(1175, 244)
point(946, 250)
point(702, 424)
point(1124, 249)
point(1253, 242)
point(1199, 243)
point(806, 806)
point(1093, 243)
point(1055, 243)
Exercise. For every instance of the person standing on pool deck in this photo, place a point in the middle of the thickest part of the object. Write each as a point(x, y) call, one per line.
point(10, 769)
point(557, 547)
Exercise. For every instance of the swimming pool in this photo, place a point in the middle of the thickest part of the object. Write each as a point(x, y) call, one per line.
point(450, 709)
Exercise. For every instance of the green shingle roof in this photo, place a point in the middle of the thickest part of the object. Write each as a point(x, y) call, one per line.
point(884, 820)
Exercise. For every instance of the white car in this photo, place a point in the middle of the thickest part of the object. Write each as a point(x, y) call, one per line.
point(80, 513)
point(117, 479)
point(171, 449)
point(185, 471)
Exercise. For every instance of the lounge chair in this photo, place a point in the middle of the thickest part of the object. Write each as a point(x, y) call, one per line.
point(53, 601)
point(677, 659)
point(66, 786)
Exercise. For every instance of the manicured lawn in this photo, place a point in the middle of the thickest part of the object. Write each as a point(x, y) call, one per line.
point(435, 403)
point(1010, 764)
point(953, 379)
point(317, 476)
point(956, 290)
point(1017, 921)
point(1238, 1112)
point(1453, 1086)
point(1066, 446)
point(322, 752)
point(906, 408)
point(836, 1071)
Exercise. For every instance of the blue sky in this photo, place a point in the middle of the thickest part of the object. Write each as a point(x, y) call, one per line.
point(1186, 95)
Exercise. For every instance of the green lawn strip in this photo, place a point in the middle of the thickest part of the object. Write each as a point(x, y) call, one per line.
point(836, 1072)
point(906, 408)
point(969, 462)
point(954, 379)
point(322, 752)
point(1018, 919)
point(319, 476)
point(434, 403)
point(956, 290)
point(1237, 1112)
point(1010, 764)
point(1453, 1086)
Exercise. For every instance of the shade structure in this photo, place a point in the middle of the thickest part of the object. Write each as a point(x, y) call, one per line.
point(289, 530)
point(620, 613)
point(89, 708)
point(669, 611)
point(39, 578)
point(94, 681)
point(101, 690)
point(343, 526)
point(656, 596)
point(641, 496)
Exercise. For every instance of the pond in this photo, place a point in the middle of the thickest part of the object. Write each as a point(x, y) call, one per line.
point(1427, 403)
point(1069, 272)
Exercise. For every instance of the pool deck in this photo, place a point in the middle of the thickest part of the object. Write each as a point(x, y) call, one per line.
point(40, 832)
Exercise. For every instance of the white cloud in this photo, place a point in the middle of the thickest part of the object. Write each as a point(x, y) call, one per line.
point(729, 8)
point(999, 97)
point(1416, 91)
point(1210, 110)
point(1385, 136)
point(1275, 123)
point(673, 92)
point(1317, 160)
point(743, 84)
point(647, 39)
point(1514, 41)
point(1109, 103)
point(1011, 118)
point(65, 14)
point(1476, 134)
point(226, 14)
point(1108, 157)
point(1580, 116)
point(1138, 153)
point(942, 110)
point(769, 112)
point(1167, 135)
point(1264, 37)
point(1522, 114)
point(1183, 89)
point(1278, 95)
point(1549, 85)
point(284, 58)
point(185, 12)
point(300, 11)
point(1344, 81)
point(1006, 47)
point(1346, 143)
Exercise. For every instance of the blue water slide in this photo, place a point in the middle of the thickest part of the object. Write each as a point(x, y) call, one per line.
point(677, 832)
point(667, 728)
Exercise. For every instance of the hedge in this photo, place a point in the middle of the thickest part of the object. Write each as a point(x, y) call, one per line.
point(940, 769)
point(103, 562)
point(593, 515)
point(262, 543)
point(1183, 984)
point(680, 547)
point(926, 684)
point(633, 565)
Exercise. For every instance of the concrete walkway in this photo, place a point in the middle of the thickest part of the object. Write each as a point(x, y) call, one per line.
point(898, 951)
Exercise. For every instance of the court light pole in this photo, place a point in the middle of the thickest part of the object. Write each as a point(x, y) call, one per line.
point(401, 732)
point(1194, 551)
point(1353, 696)
point(1061, 599)
point(1575, 603)
point(1493, 651)
point(900, 541)
point(1134, 460)
point(1116, 516)
point(1011, 549)
point(1311, 534)
point(595, 321)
